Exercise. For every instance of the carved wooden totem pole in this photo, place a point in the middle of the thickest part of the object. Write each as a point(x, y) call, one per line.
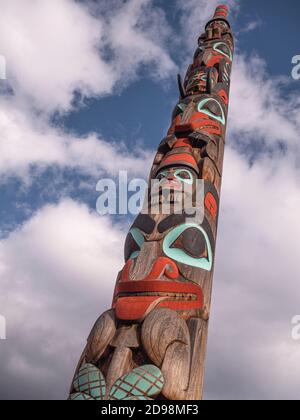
point(152, 343)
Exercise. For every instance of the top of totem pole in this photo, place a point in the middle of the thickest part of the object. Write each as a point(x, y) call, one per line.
point(221, 13)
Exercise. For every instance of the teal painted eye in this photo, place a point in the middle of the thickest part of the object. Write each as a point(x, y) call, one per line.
point(213, 109)
point(223, 49)
point(189, 244)
point(183, 175)
point(162, 175)
point(133, 244)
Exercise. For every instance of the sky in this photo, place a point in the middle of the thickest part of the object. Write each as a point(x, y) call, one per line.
point(89, 91)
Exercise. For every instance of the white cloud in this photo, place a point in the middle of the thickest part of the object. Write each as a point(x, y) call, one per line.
point(51, 49)
point(251, 353)
point(55, 47)
point(56, 272)
point(137, 33)
point(27, 141)
point(56, 276)
point(194, 14)
point(260, 108)
point(251, 26)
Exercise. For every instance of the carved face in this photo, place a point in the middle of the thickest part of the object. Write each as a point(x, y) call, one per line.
point(205, 114)
point(140, 289)
point(220, 50)
point(196, 80)
point(179, 254)
point(176, 186)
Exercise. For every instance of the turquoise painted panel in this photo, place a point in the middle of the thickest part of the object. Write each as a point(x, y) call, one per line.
point(89, 380)
point(144, 381)
point(139, 239)
point(182, 257)
point(218, 49)
point(201, 104)
point(79, 396)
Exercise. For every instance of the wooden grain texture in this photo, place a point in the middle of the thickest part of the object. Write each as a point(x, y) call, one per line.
point(157, 328)
point(121, 364)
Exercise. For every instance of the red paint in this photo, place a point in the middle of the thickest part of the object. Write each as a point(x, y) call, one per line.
point(215, 59)
point(178, 158)
point(211, 204)
point(162, 266)
point(125, 272)
point(221, 11)
point(200, 121)
point(131, 308)
point(176, 121)
point(223, 94)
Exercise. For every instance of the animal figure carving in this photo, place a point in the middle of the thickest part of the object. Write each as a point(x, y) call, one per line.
point(151, 344)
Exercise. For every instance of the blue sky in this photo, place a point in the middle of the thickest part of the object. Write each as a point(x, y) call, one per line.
point(96, 96)
point(139, 114)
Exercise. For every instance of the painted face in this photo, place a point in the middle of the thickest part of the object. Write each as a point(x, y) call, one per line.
point(179, 255)
point(196, 81)
point(160, 284)
point(213, 109)
point(207, 116)
point(176, 187)
point(220, 50)
point(175, 177)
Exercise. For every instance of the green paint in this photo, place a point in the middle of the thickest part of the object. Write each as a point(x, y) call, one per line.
point(228, 54)
point(79, 396)
point(89, 380)
point(178, 174)
point(141, 383)
point(182, 257)
point(201, 104)
point(139, 239)
point(145, 381)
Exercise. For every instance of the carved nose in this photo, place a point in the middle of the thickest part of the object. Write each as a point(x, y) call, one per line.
point(149, 265)
point(163, 267)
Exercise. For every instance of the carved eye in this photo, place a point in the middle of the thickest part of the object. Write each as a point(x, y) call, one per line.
point(189, 244)
point(179, 109)
point(161, 175)
point(183, 175)
point(133, 244)
point(192, 241)
point(213, 109)
point(223, 49)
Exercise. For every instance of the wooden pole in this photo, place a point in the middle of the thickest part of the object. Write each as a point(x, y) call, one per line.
point(152, 343)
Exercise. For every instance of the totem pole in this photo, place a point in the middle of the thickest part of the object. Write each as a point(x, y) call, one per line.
point(151, 344)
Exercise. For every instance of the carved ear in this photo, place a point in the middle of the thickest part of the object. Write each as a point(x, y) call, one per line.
point(100, 337)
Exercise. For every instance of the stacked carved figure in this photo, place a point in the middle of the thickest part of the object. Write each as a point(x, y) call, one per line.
point(151, 344)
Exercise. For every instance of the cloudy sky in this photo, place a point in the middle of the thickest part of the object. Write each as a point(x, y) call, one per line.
point(89, 91)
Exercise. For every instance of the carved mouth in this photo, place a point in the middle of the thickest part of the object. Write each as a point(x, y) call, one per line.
point(173, 197)
point(201, 124)
point(171, 296)
point(135, 299)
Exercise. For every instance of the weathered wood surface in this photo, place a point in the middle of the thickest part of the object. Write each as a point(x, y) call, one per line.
point(152, 343)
